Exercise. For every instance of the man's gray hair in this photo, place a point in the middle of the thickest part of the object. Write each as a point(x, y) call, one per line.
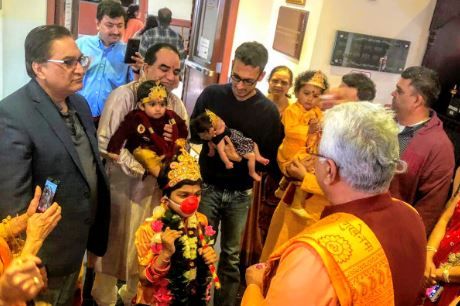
point(362, 139)
point(164, 16)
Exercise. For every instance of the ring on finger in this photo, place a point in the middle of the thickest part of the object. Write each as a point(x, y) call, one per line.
point(36, 280)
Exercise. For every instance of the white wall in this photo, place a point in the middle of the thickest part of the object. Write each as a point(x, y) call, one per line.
point(256, 20)
point(181, 9)
point(314, 9)
point(399, 19)
point(17, 19)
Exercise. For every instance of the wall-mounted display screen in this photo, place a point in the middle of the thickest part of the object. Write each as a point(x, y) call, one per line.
point(369, 52)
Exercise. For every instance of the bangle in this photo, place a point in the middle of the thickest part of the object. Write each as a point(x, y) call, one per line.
point(149, 275)
point(430, 248)
point(166, 261)
point(445, 274)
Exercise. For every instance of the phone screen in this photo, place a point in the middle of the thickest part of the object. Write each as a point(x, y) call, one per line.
point(131, 48)
point(434, 292)
point(46, 199)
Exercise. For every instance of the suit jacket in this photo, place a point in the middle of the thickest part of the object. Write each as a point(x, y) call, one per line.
point(35, 144)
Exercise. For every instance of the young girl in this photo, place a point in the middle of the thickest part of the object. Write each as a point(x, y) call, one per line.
point(298, 207)
point(212, 128)
point(143, 128)
point(301, 119)
point(173, 245)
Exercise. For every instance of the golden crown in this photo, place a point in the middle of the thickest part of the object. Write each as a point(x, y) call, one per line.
point(318, 80)
point(213, 117)
point(184, 168)
point(157, 93)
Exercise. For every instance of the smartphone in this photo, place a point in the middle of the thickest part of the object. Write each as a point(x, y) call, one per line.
point(48, 192)
point(434, 292)
point(131, 48)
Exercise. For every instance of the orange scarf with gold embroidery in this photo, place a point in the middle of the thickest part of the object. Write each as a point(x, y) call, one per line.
point(354, 258)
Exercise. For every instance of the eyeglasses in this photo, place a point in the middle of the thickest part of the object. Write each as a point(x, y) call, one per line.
point(71, 63)
point(248, 82)
point(310, 151)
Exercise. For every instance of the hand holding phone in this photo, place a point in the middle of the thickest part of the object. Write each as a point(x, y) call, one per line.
point(434, 292)
point(46, 199)
point(131, 48)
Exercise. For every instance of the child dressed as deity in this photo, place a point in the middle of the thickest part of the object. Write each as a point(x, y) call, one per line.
point(301, 120)
point(212, 128)
point(141, 132)
point(302, 200)
point(174, 245)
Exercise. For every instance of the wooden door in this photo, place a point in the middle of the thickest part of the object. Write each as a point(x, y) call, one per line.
point(213, 25)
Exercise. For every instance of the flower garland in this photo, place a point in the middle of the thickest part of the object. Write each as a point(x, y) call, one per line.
point(188, 281)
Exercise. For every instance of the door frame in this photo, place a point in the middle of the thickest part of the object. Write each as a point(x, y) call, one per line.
point(55, 14)
point(229, 35)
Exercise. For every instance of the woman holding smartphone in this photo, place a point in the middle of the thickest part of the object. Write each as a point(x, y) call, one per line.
point(36, 225)
point(443, 252)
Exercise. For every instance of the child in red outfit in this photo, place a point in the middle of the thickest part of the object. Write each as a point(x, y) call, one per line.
point(141, 132)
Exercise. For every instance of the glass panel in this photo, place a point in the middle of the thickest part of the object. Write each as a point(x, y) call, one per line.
point(369, 52)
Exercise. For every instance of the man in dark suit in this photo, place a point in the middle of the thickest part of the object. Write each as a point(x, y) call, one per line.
point(46, 131)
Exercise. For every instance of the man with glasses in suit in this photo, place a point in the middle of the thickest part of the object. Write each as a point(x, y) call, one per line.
point(47, 132)
point(227, 193)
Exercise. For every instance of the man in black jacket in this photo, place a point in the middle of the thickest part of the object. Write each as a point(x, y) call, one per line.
point(227, 193)
point(47, 132)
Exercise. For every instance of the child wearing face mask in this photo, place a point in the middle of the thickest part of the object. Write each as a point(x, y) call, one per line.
point(141, 132)
point(174, 245)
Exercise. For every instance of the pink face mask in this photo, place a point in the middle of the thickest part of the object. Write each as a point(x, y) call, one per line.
point(188, 206)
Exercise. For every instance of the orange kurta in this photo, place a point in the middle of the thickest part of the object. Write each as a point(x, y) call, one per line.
point(348, 254)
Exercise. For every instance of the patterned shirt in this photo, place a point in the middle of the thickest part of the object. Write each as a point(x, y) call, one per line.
point(161, 35)
point(406, 135)
point(106, 72)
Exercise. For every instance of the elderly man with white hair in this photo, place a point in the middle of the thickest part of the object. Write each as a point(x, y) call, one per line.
point(368, 248)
